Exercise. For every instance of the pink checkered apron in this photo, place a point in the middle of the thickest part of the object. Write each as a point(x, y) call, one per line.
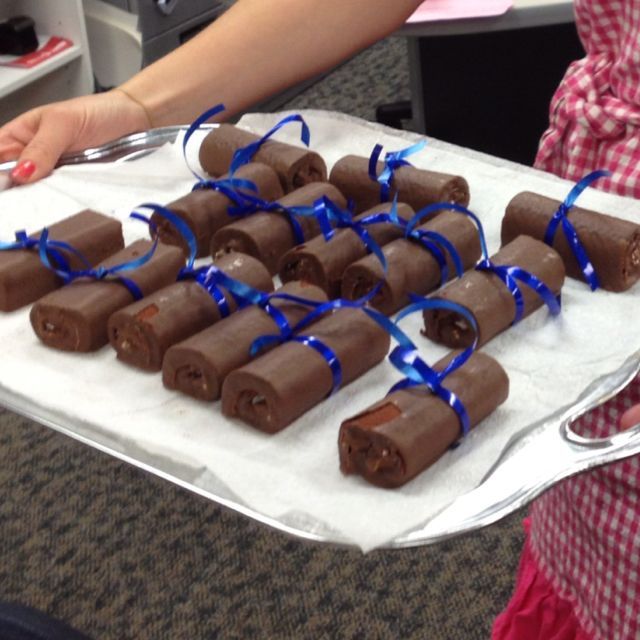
point(579, 575)
point(595, 113)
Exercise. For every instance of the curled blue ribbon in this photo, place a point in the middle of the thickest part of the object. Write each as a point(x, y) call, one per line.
point(55, 248)
point(318, 309)
point(229, 187)
point(193, 127)
point(406, 358)
point(253, 204)
point(509, 275)
point(207, 277)
point(393, 160)
point(245, 155)
point(560, 217)
point(327, 211)
point(99, 273)
point(438, 244)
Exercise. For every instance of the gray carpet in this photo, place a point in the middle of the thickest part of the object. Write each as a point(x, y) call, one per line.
point(121, 554)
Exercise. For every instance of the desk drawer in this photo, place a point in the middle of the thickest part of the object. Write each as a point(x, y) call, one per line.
point(156, 17)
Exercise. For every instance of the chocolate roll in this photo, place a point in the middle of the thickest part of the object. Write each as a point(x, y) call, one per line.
point(403, 434)
point(612, 244)
point(24, 278)
point(323, 263)
point(74, 318)
point(273, 390)
point(268, 236)
point(206, 210)
point(198, 366)
point(142, 332)
point(489, 300)
point(410, 267)
point(295, 166)
point(417, 187)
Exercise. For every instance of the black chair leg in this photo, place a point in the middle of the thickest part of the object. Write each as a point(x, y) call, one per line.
point(393, 113)
point(18, 622)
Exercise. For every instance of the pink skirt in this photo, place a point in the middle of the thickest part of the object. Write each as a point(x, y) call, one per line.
point(535, 611)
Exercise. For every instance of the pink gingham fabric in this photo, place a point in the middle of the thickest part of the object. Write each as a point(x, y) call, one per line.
point(585, 534)
point(595, 113)
point(579, 574)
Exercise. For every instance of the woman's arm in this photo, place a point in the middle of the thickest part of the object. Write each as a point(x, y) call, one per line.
point(253, 50)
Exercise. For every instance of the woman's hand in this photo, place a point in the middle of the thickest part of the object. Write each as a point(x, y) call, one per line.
point(39, 137)
point(630, 417)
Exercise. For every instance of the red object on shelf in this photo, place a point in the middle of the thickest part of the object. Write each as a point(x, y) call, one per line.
point(52, 47)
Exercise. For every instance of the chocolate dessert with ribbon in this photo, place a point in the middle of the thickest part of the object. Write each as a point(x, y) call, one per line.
point(403, 434)
point(83, 239)
point(323, 261)
point(74, 318)
point(597, 248)
point(142, 332)
point(273, 390)
point(215, 203)
point(499, 292)
point(227, 147)
point(368, 181)
point(199, 365)
point(428, 256)
point(267, 235)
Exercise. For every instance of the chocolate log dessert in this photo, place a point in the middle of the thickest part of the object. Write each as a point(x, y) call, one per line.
point(267, 236)
point(323, 263)
point(74, 318)
point(417, 187)
point(403, 434)
point(199, 365)
point(295, 166)
point(612, 244)
point(273, 390)
point(410, 267)
point(142, 332)
point(489, 300)
point(23, 276)
point(206, 210)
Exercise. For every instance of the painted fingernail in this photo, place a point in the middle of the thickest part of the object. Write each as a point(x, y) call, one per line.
point(23, 171)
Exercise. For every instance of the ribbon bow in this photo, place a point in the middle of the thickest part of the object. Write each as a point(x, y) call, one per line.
point(393, 160)
point(100, 272)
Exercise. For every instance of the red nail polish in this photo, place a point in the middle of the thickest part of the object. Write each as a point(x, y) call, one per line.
point(23, 171)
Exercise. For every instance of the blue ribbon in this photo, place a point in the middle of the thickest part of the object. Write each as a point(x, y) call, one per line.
point(193, 127)
point(99, 273)
point(560, 217)
point(317, 310)
point(438, 244)
point(245, 155)
point(326, 210)
point(393, 160)
point(54, 247)
point(255, 204)
point(509, 275)
point(209, 276)
point(406, 358)
point(229, 187)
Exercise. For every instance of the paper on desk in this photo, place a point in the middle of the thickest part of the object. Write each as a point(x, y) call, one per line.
point(293, 477)
point(433, 10)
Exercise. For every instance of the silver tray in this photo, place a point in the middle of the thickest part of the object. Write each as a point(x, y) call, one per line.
point(509, 484)
point(131, 147)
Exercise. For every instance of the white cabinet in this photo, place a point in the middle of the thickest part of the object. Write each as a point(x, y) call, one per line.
point(64, 75)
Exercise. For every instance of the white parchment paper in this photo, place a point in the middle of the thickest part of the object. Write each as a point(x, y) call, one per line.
point(293, 477)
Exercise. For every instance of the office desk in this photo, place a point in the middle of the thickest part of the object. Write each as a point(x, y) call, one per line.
point(486, 83)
